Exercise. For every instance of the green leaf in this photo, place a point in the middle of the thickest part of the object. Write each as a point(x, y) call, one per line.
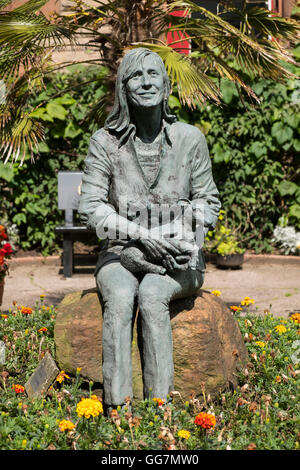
point(174, 102)
point(295, 211)
point(58, 131)
point(72, 130)
point(258, 149)
point(64, 100)
point(56, 111)
point(19, 218)
point(286, 188)
point(293, 120)
point(43, 147)
point(228, 90)
point(296, 144)
point(6, 172)
point(41, 113)
point(281, 132)
point(220, 155)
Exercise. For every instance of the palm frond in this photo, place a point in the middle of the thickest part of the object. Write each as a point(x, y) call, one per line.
point(4, 3)
point(31, 6)
point(19, 135)
point(17, 30)
point(258, 20)
point(256, 54)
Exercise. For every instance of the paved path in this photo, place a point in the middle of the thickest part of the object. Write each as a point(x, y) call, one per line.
point(275, 283)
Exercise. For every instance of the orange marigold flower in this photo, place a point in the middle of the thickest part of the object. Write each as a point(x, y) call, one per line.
point(235, 308)
point(295, 318)
point(205, 420)
point(278, 379)
point(4, 316)
point(159, 401)
point(18, 388)
point(62, 376)
point(43, 329)
point(26, 310)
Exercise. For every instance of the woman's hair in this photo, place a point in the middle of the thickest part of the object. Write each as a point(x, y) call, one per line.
point(118, 121)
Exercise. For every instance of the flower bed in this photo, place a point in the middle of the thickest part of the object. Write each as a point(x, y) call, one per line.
point(260, 414)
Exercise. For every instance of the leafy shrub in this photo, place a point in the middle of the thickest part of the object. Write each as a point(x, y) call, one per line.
point(261, 413)
point(255, 150)
point(29, 192)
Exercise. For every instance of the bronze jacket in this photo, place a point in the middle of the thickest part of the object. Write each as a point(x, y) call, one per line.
point(113, 175)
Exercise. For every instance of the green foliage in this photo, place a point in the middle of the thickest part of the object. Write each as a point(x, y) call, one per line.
point(29, 192)
point(255, 156)
point(262, 412)
point(223, 240)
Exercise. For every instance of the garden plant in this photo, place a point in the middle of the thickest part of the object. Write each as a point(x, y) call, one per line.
point(261, 413)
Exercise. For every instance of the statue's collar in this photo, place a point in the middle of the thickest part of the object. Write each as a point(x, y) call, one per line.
point(131, 133)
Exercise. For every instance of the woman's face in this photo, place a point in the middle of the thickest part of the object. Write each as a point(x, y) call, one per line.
point(145, 88)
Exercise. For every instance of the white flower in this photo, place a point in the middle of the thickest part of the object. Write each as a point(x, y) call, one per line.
point(287, 239)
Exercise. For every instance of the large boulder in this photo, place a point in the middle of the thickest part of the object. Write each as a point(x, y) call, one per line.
point(207, 343)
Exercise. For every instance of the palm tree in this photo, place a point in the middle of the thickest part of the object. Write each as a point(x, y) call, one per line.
point(259, 46)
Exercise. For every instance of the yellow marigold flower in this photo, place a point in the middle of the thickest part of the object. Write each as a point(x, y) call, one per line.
point(42, 296)
point(295, 318)
point(247, 301)
point(88, 407)
point(184, 434)
point(216, 293)
point(66, 425)
point(261, 344)
point(62, 376)
point(4, 316)
point(280, 329)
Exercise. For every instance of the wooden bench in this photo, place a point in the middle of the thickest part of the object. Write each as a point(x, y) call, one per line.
point(69, 189)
